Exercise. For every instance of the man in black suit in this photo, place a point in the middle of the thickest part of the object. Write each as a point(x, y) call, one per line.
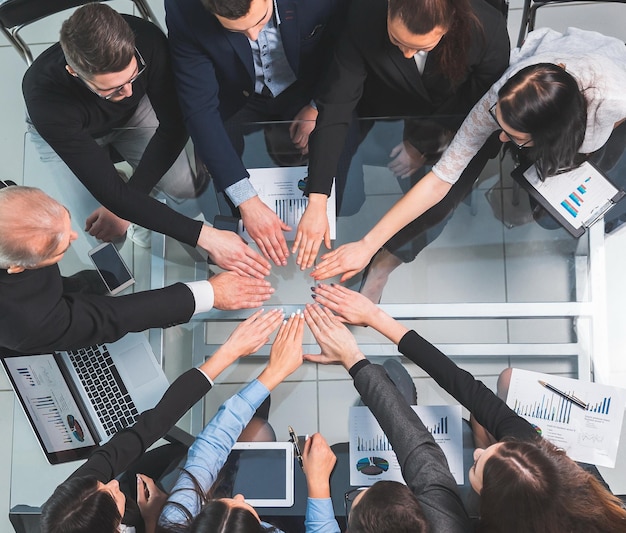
point(246, 61)
point(399, 58)
point(38, 314)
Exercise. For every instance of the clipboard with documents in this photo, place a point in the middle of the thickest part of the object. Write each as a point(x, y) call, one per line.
point(281, 189)
point(576, 199)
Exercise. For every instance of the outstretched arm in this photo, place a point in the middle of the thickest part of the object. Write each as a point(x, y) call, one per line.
point(349, 259)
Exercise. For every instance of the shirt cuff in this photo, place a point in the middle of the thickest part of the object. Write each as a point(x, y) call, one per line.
point(203, 295)
point(354, 369)
point(207, 377)
point(254, 393)
point(240, 191)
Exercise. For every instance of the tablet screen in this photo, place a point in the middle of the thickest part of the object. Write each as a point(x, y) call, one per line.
point(262, 472)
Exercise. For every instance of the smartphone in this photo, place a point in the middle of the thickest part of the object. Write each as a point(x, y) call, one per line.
point(111, 267)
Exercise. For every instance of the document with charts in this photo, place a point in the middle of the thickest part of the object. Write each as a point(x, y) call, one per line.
point(576, 198)
point(372, 458)
point(589, 435)
point(279, 189)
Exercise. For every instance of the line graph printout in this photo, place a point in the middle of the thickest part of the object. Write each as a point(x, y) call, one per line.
point(588, 435)
point(372, 457)
point(281, 189)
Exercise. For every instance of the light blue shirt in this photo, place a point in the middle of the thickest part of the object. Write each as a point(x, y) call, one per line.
point(320, 516)
point(271, 69)
point(209, 452)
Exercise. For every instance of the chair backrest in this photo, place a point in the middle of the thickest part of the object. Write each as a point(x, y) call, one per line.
point(529, 13)
point(16, 14)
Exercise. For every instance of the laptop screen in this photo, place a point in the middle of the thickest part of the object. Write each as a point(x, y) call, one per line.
point(63, 431)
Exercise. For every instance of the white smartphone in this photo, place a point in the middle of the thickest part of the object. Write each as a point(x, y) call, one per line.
point(111, 267)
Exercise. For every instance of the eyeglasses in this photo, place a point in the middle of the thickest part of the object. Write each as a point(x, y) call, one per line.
point(6, 183)
point(141, 67)
point(492, 112)
point(349, 497)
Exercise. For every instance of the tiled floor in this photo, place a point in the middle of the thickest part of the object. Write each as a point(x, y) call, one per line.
point(316, 398)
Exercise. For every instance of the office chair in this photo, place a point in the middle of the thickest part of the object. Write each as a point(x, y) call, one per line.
point(529, 13)
point(16, 14)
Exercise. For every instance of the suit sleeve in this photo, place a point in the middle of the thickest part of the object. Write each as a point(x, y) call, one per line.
point(489, 410)
point(170, 136)
point(336, 103)
point(423, 463)
point(198, 93)
point(80, 320)
point(126, 446)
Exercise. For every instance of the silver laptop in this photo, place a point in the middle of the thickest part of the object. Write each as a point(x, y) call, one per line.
point(77, 400)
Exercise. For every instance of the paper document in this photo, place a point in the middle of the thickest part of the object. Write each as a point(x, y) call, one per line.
point(278, 189)
point(372, 458)
point(591, 434)
point(580, 195)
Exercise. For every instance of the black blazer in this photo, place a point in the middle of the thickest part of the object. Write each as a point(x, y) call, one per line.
point(36, 316)
point(368, 69)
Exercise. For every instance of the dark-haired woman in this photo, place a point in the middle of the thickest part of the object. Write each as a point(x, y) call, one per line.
point(90, 499)
point(526, 484)
point(190, 506)
point(560, 100)
point(429, 59)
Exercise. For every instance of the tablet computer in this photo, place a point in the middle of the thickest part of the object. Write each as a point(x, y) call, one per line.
point(262, 472)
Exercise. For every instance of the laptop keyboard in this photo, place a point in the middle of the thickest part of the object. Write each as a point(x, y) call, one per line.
point(105, 388)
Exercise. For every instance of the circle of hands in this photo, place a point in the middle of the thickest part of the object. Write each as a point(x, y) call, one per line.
point(334, 306)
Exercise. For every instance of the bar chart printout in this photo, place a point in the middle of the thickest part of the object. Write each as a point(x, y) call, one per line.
point(281, 189)
point(579, 195)
point(590, 434)
point(372, 457)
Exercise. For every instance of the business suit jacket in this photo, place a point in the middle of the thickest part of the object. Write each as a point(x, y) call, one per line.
point(369, 71)
point(423, 463)
point(37, 316)
point(215, 71)
point(128, 445)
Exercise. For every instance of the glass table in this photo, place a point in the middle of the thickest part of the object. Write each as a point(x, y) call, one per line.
point(493, 290)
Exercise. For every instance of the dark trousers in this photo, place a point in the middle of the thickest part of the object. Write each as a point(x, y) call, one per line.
point(416, 235)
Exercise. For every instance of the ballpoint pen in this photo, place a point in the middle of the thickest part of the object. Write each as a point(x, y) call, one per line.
point(569, 397)
point(294, 439)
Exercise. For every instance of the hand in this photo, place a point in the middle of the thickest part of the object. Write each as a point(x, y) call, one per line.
point(348, 259)
point(150, 500)
point(351, 306)
point(313, 229)
point(230, 252)
point(232, 291)
point(252, 333)
point(266, 229)
point(247, 338)
point(104, 225)
point(318, 461)
point(286, 353)
point(338, 345)
point(302, 126)
point(406, 159)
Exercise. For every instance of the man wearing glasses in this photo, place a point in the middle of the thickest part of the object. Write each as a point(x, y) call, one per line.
point(108, 83)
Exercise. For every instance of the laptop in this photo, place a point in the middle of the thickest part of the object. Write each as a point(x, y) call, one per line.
point(77, 400)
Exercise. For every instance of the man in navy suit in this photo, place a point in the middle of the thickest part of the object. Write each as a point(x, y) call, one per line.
point(238, 61)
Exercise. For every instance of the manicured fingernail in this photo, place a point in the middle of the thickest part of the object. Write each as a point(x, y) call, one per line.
point(313, 295)
point(292, 315)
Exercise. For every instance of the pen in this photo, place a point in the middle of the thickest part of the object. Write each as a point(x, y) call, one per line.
point(569, 397)
point(294, 439)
